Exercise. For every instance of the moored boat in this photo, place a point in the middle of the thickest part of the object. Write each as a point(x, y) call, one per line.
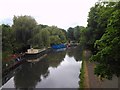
point(35, 52)
point(58, 46)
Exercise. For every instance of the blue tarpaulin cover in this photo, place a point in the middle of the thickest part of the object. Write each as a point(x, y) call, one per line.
point(58, 46)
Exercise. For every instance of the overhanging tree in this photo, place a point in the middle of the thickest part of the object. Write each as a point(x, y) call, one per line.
point(108, 56)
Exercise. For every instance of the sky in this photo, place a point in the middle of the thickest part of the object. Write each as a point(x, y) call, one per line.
point(60, 13)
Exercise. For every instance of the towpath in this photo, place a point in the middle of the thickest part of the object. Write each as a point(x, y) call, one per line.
point(92, 81)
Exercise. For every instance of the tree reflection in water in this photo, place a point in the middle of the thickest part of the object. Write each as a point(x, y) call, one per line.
point(55, 58)
point(30, 74)
point(75, 52)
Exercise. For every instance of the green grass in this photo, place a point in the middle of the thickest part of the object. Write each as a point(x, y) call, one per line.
point(82, 73)
point(81, 83)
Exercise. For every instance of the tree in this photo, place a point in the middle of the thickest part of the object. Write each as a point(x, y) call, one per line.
point(23, 26)
point(83, 37)
point(64, 32)
point(36, 41)
point(70, 33)
point(57, 35)
point(97, 21)
point(108, 57)
point(45, 37)
point(8, 40)
point(62, 36)
point(54, 40)
point(77, 32)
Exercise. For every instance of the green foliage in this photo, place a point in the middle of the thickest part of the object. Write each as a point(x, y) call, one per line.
point(70, 34)
point(54, 39)
point(97, 21)
point(36, 41)
point(23, 26)
point(74, 34)
point(7, 38)
point(45, 37)
point(108, 46)
point(83, 37)
point(57, 35)
point(24, 32)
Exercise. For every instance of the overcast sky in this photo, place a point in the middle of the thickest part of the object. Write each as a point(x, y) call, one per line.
point(61, 13)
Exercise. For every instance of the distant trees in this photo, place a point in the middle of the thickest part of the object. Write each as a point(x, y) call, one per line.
point(8, 38)
point(45, 37)
point(77, 31)
point(37, 38)
point(25, 31)
point(23, 27)
point(70, 33)
point(83, 37)
point(57, 35)
point(74, 34)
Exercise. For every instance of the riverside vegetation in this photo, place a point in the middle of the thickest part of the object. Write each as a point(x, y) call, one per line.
point(101, 36)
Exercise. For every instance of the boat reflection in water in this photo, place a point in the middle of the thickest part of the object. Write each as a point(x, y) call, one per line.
point(33, 73)
point(36, 59)
point(30, 74)
point(55, 70)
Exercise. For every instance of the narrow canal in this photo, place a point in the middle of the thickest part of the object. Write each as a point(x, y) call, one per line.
point(57, 70)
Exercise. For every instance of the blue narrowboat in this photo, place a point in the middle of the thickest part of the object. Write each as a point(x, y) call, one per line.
point(58, 46)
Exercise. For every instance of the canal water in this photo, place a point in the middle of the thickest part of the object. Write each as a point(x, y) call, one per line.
point(59, 69)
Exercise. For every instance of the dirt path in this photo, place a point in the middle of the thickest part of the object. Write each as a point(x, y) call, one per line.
point(92, 81)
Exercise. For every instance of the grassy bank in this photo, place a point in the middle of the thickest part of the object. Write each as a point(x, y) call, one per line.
point(81, 76)
point(82, 72)
point(84, 82)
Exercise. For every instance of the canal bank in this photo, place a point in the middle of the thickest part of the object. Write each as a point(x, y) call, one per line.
point(90, 80)
point(84, 80)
